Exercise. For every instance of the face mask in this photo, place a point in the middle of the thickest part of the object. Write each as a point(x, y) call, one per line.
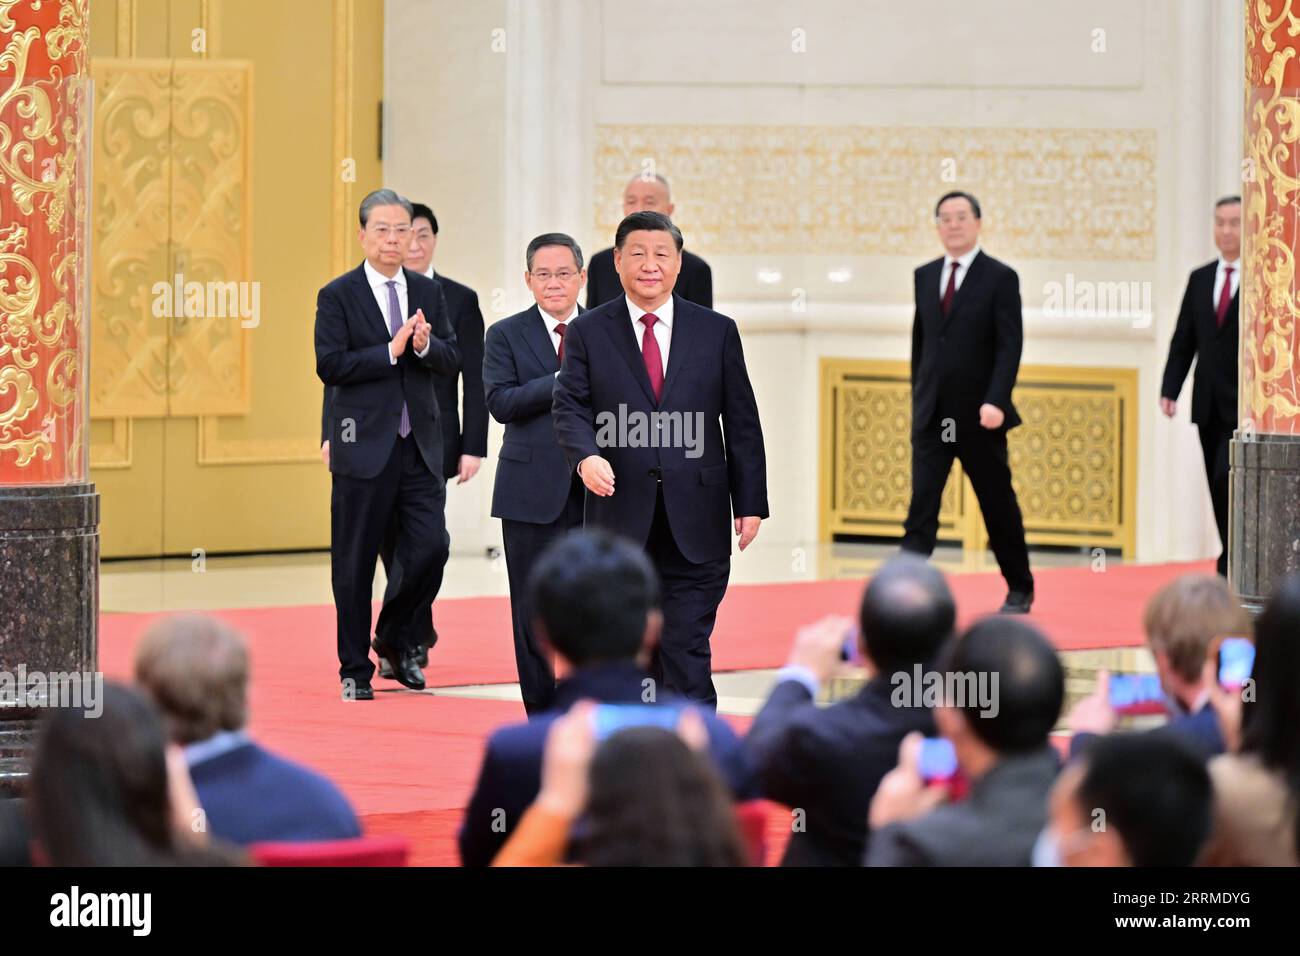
point(1046, 850)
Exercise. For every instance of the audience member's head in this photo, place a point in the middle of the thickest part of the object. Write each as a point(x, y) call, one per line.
point(1130, 800)
point(1271, 722)
point(655, 801)
point(907, 614)
point(101, 794)
point(1005, 687)
point(195, 668)
point(594, 598)
point(1181, 623)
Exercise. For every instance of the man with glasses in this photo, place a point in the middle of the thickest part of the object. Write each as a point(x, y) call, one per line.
point(537, 496)
point(966, 341)
point(382, 337)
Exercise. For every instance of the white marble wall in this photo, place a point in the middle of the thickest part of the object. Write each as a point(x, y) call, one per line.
point(492, 108)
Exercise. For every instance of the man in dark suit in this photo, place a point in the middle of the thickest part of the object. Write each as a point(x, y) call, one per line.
point(1207, 332)
point(463, 448)
point(827, 762)
point(648, 194)
point(537, 496)
point(594, 600)
point(664, 381)
point(380, 354)
point(966, 340)
point(1002, 748)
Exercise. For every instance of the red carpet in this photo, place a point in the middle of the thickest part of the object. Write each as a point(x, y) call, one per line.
point(408, 761)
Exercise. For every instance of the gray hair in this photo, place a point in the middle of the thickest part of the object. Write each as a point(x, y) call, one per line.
point(553, 239)
point(384, 197)
point(642, 177)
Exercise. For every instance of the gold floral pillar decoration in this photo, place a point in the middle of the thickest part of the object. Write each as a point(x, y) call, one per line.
point(43, 181)
point(1270, 347)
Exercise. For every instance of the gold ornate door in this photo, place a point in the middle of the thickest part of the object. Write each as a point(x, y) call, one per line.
point(204, 401)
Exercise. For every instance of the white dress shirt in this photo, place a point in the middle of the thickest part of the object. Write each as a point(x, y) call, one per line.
point(963, 266)
point(663, 329)
point(551, 323)
point(1219, 275)
point(379, 286)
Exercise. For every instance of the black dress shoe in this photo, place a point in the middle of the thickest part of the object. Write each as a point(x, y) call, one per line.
point(353, 691)
point(405, 671)
point(385, 669)
point(1017, 602)
point(423, 657)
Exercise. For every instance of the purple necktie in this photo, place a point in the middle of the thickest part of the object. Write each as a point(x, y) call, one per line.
point(394, 324)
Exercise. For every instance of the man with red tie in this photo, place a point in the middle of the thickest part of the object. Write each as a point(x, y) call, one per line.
point(1207, 332)
point(654, 408)
point(966, 341)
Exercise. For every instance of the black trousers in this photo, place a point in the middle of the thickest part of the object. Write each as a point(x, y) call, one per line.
point(361, 512)
point(422, 634)
point(524, 543)
point(690, 593)
point(1215, 436)
point(983, 456)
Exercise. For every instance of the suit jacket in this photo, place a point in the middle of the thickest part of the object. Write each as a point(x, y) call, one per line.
point(519, 365)
point(1199, 730)
point(971, 356)
point(996, 825)
point(353, 361)
point(694, 282)
point(471, 438)
point(604, 381)
point(250, 795)
point(1198, 336)
point(829, 762)
point(511, 775)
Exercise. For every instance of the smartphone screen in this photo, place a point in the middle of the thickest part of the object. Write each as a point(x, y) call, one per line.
point(1236, 660)
point(938, 760)
point(611, 718)
point(1136, 694)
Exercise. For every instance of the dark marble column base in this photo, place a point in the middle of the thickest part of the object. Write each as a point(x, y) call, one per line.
point(49, 604)
point(1264, 515)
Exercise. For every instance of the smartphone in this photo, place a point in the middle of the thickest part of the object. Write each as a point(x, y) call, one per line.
point(938, 760)
point(611, 718)
point(1236, 660)
point(1136, 694)
point(849, 652)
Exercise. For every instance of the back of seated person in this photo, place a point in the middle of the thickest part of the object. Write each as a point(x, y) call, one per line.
point(1130, 800)
point(196, 669)
point(1003, 690)
point(594, 599)
point(827, 762)
point(1182, 622)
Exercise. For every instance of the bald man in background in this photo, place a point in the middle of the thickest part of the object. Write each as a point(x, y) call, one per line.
point(648, 194)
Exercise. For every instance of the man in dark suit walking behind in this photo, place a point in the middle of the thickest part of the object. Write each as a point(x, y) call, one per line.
point(966, 341)
point(537, 496)
point(1207, 332)
point(382, 335)
point(654, 393)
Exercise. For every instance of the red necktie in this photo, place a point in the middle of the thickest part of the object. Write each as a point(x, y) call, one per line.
point(949, 292)
point(1225, 296)
point(559, 330)
point(654, 363)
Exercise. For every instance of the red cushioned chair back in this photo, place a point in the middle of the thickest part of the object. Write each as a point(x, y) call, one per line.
point(364, 851)
point(752, 818)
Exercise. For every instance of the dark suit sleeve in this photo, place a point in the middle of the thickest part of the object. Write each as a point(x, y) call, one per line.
point(894, 846)
point(507, 398)
point(918, 339)
point(575, 423)
point(325, 415)
point(742, 432)
point(702, 286)
point(469, 339)
point(1009, 328)
point(479, 838)
point(443, 355)
point(777, 745)
point(336, 364)
point(1182, 349)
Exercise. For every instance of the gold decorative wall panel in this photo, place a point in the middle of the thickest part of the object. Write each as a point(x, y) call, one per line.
point(1073, 460)
point(1067, 194)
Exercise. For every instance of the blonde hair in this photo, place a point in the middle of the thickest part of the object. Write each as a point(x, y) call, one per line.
point(1186, 615)
point(196, 670)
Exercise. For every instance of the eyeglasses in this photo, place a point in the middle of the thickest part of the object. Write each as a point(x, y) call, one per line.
point(564, 275)
point(383, 232)
point(960, 218)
